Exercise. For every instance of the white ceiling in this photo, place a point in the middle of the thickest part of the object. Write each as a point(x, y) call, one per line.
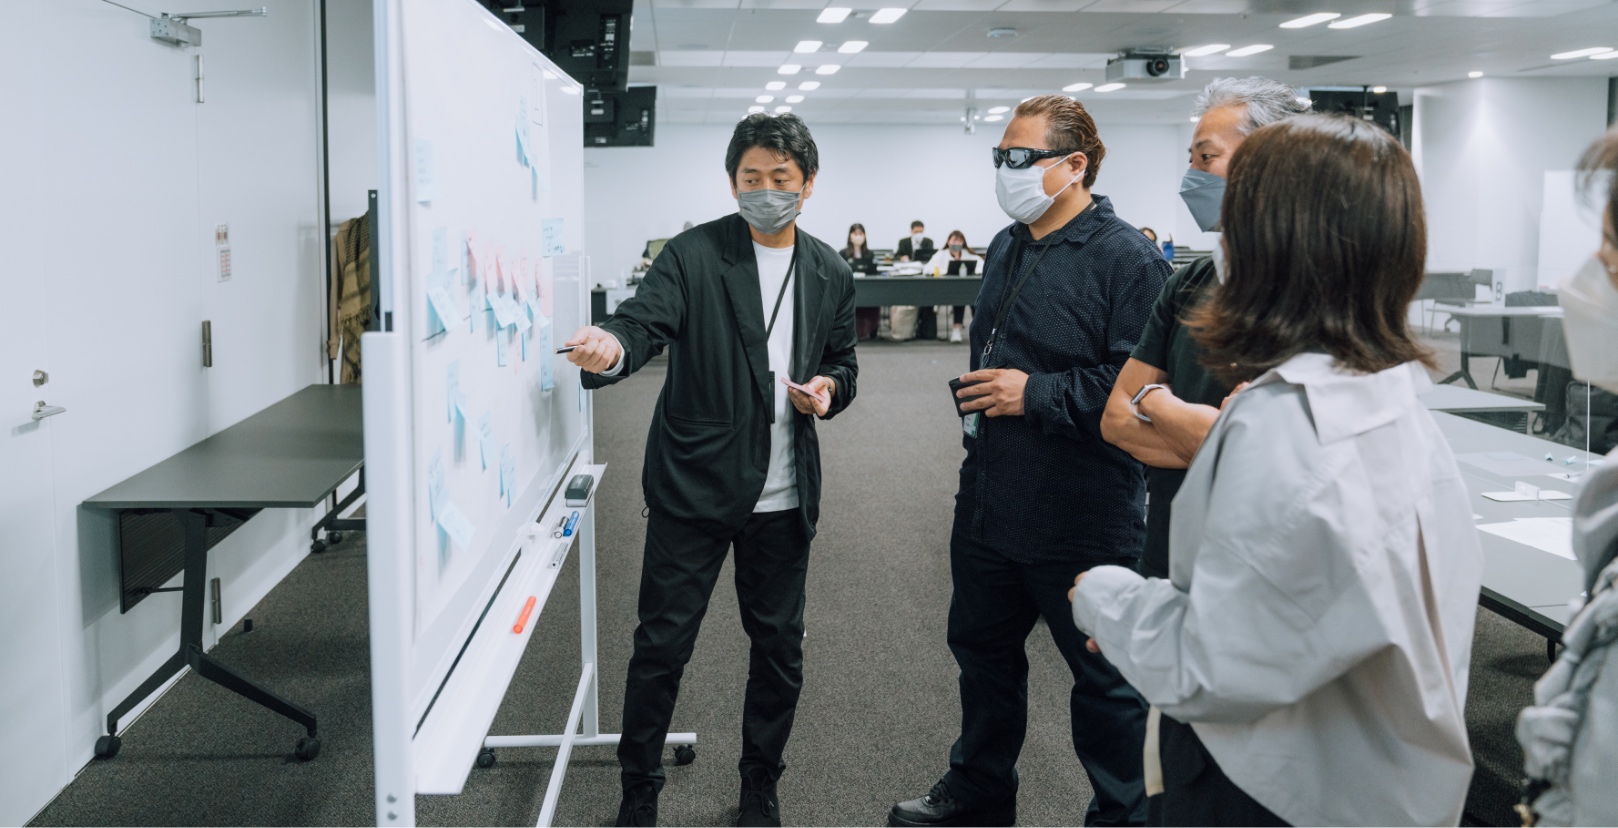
point(710, 58)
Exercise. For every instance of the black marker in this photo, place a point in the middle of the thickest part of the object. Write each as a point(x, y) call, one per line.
point(564, 350)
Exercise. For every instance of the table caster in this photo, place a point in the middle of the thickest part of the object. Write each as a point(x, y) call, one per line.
point(317, 547)
point(307, 749)
point(107, 746)
point(684, 755)
point(334, 538)
point(486, 758)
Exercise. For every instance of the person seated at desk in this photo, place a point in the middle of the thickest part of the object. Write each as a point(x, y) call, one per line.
point(916, 246)
point(956, 259)
point(863, 262)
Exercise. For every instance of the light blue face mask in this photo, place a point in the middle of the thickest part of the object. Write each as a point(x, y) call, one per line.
point(1202, 193)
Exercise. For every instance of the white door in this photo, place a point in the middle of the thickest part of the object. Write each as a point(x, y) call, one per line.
point(33, 763)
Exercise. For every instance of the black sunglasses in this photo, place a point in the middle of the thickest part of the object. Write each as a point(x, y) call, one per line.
point(1021, 157)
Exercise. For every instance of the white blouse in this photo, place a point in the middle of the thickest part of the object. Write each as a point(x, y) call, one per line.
point(1316, 626)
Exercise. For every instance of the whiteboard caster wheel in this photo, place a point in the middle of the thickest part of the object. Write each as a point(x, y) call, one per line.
point(317, 547)
point(334, 538)
point(107, 746)
point(684, 755)
point(486, 758)
point(308, 748)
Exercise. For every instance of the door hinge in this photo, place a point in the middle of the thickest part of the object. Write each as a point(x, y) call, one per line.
point(218, 604)
point(207, 343)
point(200, 98)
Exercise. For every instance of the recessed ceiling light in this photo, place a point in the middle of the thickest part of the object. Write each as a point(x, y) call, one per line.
point(1310, 20)
point(1302, 101)
point(1249, 50)
point(827, 69)
point(775, 85)
point(807, 46)
point(1474, 74)
point(789, 69)
point(809, 86)
point(753, 109)
point(1605, 55)
point(781, 109)
point(794, 99)
point(1378, 90)
point(993, 118)
point(835, 14)
point(997, 110)
point(1109, 87)
point(1210, 49)
point(887, 15)
point(764, 98)
point(1195, 119)
point(1077, 87)
point(853, 46)
point(1361, 20)
point(1578, 53)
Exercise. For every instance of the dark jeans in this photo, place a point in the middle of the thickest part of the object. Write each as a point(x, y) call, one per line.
point(1195, 790)
point(994, 608)
point(682, 564)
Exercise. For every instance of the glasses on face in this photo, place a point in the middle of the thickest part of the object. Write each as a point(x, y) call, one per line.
point(1021, 157)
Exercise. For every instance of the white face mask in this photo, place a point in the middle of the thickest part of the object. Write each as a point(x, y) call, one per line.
point(1022, 192)
point(1590, 302)
point(916, 237)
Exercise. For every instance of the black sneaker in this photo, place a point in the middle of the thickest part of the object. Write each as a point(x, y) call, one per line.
point(938, 807)
point(639, 806)
point(759, 807)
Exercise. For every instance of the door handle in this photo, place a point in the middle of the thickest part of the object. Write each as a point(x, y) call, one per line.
point(41, 410)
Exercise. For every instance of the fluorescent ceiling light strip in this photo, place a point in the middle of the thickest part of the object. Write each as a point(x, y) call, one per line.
point(1210, 49)
point(887, 15)
point(807, 46)
point(782, 109)
point(809, 86)
point(1578, 53)
point(753, 109)
point(1310, 20)
point(1362, 20)
point(789, 69)
point(853, 47)
point(1605, 55)
point(1109, 87)
point(1474, 74)
point(1077, 87)
point(794, 99)
point(1249, 50)
point(775, 85)
point(998, 110)
point(764, 98)
point(835, 14)
point(993, 118)
point(827, 69)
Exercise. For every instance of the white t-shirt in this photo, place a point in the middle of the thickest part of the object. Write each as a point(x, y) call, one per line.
point(781, 483)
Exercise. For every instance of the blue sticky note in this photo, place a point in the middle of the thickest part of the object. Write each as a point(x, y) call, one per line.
point(456, 525)
point(551, 232)
point(437, 490)
point(508, 472)
point(486, 437)
point(547, 363)
point(523, 342)
point(426, 184)
point(500, 348)
point(461, 408)
point(453, 389)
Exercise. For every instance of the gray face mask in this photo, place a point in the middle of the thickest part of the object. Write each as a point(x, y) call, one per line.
point(768, 211)
point(1203, 193)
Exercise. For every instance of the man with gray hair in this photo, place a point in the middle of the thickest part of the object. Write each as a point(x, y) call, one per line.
point(1163, 402)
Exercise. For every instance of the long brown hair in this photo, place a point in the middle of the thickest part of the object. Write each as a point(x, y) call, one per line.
point(1326, 243)
point(956, 234)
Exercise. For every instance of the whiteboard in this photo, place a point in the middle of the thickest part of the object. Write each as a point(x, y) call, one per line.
point(1569, 229)
point(482, 217)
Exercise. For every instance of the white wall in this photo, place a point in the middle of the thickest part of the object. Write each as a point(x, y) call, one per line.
point(126, 176)
point(881, 176)
point(350, 106)
point(1482, 148)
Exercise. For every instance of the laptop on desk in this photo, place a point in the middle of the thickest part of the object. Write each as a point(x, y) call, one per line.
point(956, 268)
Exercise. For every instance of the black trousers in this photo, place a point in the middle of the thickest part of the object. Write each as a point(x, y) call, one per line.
point(682, 564)
point(994, 608)
point(1195, 790)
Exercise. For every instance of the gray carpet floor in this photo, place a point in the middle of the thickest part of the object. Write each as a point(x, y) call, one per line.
point(879, 708)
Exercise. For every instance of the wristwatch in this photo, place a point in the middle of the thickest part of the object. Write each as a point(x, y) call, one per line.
point(1134, 403)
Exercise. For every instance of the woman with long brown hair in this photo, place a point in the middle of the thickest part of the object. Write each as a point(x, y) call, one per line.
point(1309, 650)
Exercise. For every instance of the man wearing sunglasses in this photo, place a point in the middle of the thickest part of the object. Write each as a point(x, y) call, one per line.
point(1066, 290)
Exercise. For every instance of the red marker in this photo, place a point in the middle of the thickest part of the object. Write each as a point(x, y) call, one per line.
point(522, 620)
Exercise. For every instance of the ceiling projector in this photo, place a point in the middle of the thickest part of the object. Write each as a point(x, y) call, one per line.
point(1146, 65)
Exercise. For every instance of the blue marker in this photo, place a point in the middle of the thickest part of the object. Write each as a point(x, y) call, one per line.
point(572, 523)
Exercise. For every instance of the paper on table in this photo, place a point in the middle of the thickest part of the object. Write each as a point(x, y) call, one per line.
point(1506, 463)
point(1547, 534)
point(456, 524)
point(1520, 497)
point(486, 437)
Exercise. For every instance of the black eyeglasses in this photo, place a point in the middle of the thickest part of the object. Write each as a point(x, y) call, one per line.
point(1020, 157)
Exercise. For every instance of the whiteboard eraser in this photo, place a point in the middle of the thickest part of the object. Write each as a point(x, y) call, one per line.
point(578, 490)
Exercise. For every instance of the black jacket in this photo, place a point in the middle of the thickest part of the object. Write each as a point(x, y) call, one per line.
point(916, 254)
point(708, 449)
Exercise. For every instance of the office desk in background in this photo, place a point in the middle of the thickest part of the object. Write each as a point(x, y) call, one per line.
point(1528, 585)
point(1499, 331)
point(923, 291)
point(1457, 400)
point(291, 455)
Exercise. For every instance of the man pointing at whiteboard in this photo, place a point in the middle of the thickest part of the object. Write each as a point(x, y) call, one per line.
point(744, 304)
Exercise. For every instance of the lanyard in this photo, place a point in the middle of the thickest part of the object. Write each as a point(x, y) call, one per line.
point(1006, 303)
point(791, 270)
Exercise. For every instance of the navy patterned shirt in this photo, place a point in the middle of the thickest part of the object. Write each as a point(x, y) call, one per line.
point(1044, 487)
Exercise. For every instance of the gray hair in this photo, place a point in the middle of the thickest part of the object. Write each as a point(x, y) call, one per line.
point(1267, 101)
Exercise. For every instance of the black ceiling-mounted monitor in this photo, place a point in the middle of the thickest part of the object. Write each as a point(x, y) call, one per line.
point(1380, 108)
point(589, 40)
point(620, 119)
